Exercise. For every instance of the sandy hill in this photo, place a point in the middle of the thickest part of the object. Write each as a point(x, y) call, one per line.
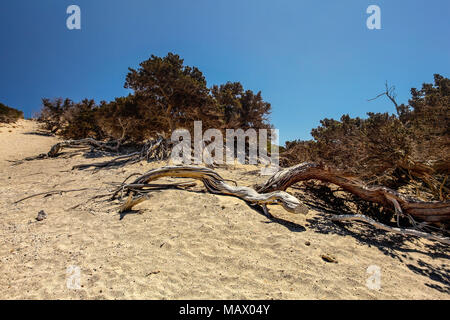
point(186, 244)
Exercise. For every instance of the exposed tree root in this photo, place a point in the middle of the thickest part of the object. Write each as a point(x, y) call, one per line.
point(152, 150)
point(213, 182)
point(112, 146)
point(434, 212)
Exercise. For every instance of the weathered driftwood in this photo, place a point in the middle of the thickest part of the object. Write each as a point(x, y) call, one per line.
point(153, 150)
point(111, 146)
point(432, 211)
point(214, 183)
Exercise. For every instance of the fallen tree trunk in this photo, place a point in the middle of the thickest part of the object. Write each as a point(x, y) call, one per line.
point(155, 149)
point(47, 193)
point(432, 211)
point(214, 183)
point(138, 190)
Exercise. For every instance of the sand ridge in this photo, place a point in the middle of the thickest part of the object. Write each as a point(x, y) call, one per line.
point(186, 244)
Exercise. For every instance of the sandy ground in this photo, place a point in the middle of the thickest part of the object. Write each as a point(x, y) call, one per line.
point(186, 244)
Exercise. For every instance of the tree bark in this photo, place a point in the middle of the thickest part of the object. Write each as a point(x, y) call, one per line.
point(432, 211)
point(214, 183)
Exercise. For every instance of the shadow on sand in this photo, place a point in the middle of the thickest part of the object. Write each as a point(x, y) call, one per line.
point(392, 245)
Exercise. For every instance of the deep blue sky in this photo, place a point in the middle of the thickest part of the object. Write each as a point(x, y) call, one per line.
point(311, 59)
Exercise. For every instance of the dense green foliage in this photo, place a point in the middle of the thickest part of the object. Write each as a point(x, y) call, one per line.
point(166, 95)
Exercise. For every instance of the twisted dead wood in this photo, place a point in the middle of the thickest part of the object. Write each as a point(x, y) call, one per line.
point(153, 150)
point(111, 146)
point(379, 225)
point(49, 193)
point(432, 211)
point(214, 183)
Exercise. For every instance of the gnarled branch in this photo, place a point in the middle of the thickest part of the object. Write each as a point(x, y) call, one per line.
point(432, 211)
point(214, 183)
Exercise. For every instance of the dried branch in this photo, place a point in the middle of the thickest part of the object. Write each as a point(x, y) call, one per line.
point(426, 211)
point(214, 183)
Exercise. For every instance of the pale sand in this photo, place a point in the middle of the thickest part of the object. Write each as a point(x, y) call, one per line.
point(186, 244)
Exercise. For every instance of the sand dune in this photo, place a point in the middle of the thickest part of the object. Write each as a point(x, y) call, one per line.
point(186, 244)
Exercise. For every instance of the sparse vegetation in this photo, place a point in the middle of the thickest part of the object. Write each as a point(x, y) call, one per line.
point(9, 115)
point(410, 148)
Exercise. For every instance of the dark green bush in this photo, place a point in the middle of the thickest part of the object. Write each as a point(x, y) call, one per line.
point(167, 95)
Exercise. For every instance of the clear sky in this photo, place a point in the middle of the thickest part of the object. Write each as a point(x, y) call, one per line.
point(310, 58)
